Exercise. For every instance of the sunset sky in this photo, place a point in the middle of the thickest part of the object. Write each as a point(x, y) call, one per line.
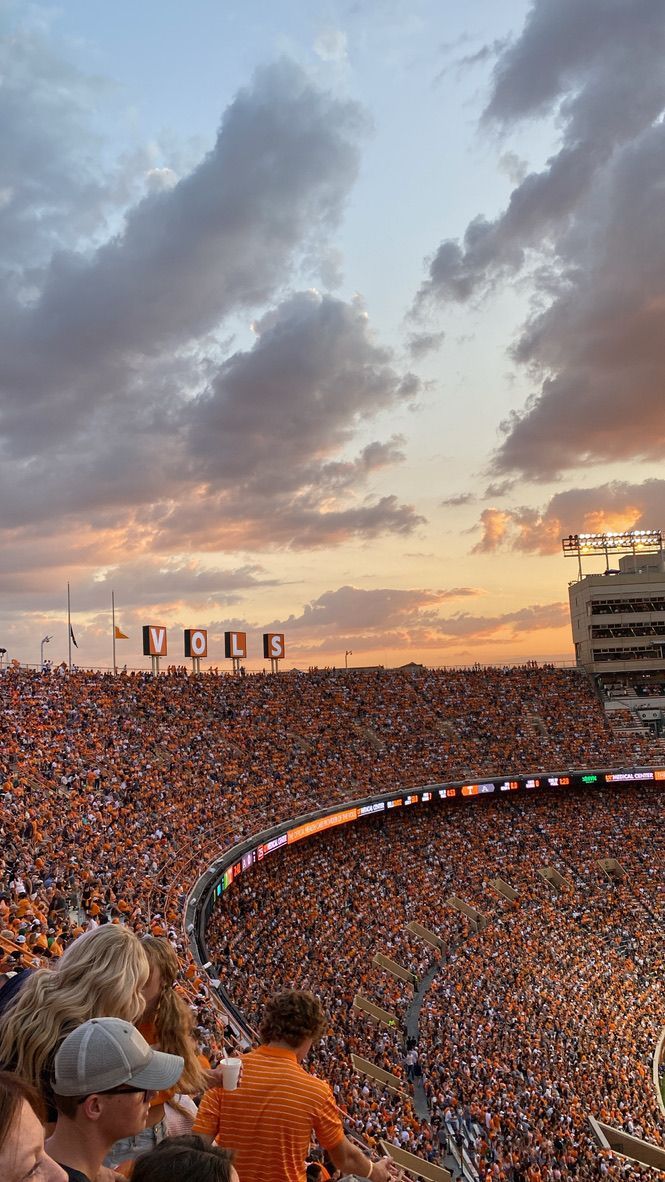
point(329, 318)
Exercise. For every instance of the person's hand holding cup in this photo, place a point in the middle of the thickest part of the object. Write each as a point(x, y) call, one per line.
point(231, 1070)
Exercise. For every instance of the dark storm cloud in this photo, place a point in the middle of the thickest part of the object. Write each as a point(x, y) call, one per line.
point(617, 505)
point(600, 66)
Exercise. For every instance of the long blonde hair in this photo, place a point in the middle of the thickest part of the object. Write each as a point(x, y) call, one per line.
point(174, 1021)
point(100, 975)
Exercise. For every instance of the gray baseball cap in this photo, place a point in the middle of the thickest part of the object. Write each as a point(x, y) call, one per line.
point(105, 1053)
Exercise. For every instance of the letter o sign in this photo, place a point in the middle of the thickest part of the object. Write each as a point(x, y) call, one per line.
point(199, 642)
point(196, 642)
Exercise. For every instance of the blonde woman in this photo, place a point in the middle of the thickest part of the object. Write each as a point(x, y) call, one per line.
point(167, 1023)
point(101, 975)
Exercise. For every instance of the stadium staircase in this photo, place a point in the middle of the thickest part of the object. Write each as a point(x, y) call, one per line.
point(625, 722)
point(534, 725)
point(369, 736)
point(448, 730)
point(454, 1151)
point(300, 742)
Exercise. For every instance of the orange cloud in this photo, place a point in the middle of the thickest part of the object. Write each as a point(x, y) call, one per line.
point(613, 506)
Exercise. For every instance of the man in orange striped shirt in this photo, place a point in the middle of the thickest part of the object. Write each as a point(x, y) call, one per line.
point(268, 1121)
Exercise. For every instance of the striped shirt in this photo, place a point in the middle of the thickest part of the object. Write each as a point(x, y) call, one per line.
point(269, 1119)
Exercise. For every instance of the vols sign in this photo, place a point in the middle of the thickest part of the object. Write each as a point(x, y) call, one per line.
point(235, 644)
point(154, 640)
point(273, 646)
point(196, 642)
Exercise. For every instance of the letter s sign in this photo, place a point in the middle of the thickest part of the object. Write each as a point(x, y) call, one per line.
point(277, 646)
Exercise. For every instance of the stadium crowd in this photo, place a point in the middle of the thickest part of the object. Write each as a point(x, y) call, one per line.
point(117, 791)
point(548, 1013)
point(154, 775)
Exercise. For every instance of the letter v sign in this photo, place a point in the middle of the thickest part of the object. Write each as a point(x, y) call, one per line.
point(158, 642)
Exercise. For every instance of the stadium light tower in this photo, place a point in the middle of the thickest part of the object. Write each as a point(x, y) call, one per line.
point(634, 541)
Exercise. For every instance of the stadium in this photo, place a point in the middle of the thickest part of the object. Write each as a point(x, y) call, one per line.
point(466, 866)
point(332, 593)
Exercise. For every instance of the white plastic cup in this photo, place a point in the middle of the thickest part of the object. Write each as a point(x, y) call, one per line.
point(230, 1073)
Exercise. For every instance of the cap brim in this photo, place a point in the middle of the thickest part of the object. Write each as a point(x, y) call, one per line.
point(163, 1071)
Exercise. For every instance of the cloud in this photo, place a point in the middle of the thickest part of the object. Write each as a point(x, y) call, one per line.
point(615, 506)
point(600, 67)
point(223, 238)
point(459, 499)
point(420, 344)
point(123, 425)
point(298, 521)
point(160, 178)
point(27, 581)
point(331, 45)
point(568, 49)
point(260, 451)
point(599, 345)
point(499, 488)
point(513, 167)
point(53, 189)
point(354, 608)
point(410, 620)
point(527, 619)
point(482, 55)
point(179, 592)
point(511, 527)
point(590, 222)
point(313, 376)
point(260, 458)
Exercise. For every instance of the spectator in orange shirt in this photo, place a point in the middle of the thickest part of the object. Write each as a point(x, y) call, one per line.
point(269, 1120)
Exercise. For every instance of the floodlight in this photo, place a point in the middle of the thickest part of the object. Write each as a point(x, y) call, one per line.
point(613, 542)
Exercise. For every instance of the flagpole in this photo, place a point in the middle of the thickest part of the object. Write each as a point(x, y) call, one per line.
point(115, 667)
point(69, 628)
